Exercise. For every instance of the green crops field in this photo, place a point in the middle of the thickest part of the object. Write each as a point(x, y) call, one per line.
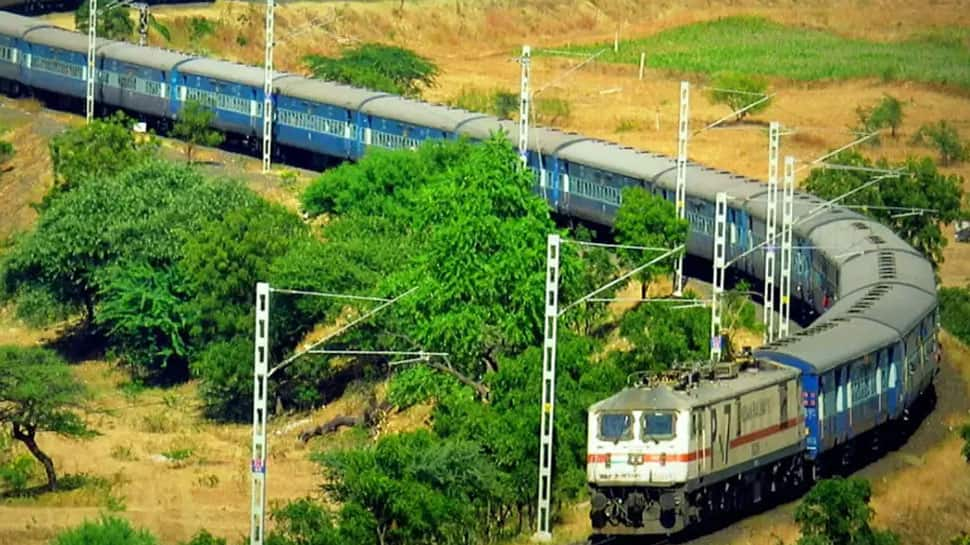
point(755, 45)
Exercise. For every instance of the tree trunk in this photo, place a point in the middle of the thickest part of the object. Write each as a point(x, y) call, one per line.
point(27, 435)
point(643, 290)
point(480, 388)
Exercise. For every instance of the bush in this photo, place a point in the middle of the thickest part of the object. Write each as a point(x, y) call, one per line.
point(226, 372)
point(500, 103)
point(955, 312)
point(550, 111)
point(379, 67)
point(16, 473)
point(109, 530)
point(417, 384)
point(944, 137)
point(204, 538)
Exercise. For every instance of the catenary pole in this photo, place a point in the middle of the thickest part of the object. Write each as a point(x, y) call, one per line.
point(771, 216)
point(524, 104)
point(787, 219)
point(717, 282)
point(268, 88)
point(681, 195)
point(92, 43)
point(548, 399)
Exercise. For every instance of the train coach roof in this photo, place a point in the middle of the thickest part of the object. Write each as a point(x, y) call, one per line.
point(62, 39)
point(325, 92)
point(901, 266)
point(707, 392)
point(828, 343)
point(17, 25)
point(159, 59)
point(898, 306)
point(226, 71)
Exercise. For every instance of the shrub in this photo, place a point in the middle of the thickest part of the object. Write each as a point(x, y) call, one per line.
point(944, 137)
point(109, 530)
point(550, 111)
point(379, 67)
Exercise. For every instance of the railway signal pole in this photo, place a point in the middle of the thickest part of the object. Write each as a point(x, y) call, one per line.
point(787, 218)
point(268, 88)
point(681, 196)
point(771, 216)
point(524, 104)
point(92, 42)
point(717, 282)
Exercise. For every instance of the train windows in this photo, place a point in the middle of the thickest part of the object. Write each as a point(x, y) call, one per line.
point(616, 427)
point(8, 54)
point(656, 426)
point(55, 66)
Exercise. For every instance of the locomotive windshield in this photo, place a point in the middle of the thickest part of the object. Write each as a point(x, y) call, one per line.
point(657, 426)
point(616, 427)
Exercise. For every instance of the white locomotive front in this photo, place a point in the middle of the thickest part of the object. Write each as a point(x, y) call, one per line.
point(662, 457)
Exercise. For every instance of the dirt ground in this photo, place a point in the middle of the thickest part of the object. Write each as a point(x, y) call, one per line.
point(921, 491)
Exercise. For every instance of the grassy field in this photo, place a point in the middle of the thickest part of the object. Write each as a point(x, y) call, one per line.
point(757, 45)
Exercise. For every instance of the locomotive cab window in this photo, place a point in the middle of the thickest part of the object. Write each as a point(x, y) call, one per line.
point(657, 426)
point(616, 427)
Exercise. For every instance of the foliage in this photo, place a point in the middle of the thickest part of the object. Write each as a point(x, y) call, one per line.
point(203, 537)
point(6, 151)
point(38, 393)
point(962, 539)
point(193, 127)
point(143, 312)
point(479, 275)
point(109, 530)
point(648, 221)
point(551, 110)
point(16, 473)
point(737, 91)
point(113, 21)
point(417, 384)
point(660, 336)
point(142, 215)
point(38, 307)
point(96, 150)
point(306, 522)
point(837, 512)
point(954, 310)
point(226, 257)
point(757, 45)
point(415, 488)
point(498, 102)
point(379, 67)
point(944, 137)
point(888, 113)
point(595, 268)
point(920, 185)
point(200, 28)
point(226, 370)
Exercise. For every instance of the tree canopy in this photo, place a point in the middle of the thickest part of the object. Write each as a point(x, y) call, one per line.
point(113, 21)
point(648, 221)
point(194, 128)
point(936, 197)
point(737, 91)
point(38, 393)
point(376, 66)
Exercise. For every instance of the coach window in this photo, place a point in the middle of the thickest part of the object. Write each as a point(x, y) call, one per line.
point(616, 427)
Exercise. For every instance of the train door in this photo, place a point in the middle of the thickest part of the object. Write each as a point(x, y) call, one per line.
point(726, 439)
point(783, 405)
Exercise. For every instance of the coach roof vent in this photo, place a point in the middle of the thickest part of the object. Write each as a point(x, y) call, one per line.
point(876, 239)
point(860, 226)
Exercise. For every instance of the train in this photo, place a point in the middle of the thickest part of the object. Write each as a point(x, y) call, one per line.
point(861, 367)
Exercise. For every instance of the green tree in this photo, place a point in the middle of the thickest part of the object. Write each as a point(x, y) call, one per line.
point(376, 66)
point(144, 314)
point(194, 127)
point(736, 90)
point(919, 186)
point(954, 309)
point(114, 22)
point(99, 149)
point(837, 512)
point(38, 393)
point(479, 274)
point(306, 522)
point(888, 113)
point(660, 336)
point(415, 488)
point(648, 221)
point(108, 530)
point(962, 539)
point(944, 137)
